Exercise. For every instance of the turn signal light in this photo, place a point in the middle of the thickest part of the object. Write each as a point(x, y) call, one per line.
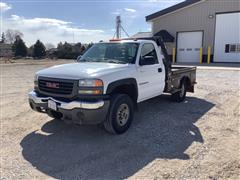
point(94, 92)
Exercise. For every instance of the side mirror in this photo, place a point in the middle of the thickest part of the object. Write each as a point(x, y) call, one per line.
point(78, 58)
point(147, 60)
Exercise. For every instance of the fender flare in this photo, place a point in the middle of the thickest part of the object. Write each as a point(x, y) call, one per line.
point(127, 81)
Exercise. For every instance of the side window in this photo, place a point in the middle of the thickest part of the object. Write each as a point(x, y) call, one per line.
point(148, 55)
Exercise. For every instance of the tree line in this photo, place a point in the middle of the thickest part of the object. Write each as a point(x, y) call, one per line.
point(39, 50)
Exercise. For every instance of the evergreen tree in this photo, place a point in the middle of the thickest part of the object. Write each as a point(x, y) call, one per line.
point(60, 45)
point(90, 45)
point(65, 51)
point(39, 49)
point(19, 47)
point(69, 51)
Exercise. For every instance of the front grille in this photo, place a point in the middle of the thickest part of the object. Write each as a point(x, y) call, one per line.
point(55, 86)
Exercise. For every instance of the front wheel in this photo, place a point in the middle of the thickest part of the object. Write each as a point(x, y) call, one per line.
point(181, 94)
point(120, 114)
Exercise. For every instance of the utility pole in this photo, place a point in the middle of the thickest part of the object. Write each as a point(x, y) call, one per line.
point(119, 28)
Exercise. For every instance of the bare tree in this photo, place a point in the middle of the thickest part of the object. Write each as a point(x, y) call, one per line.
point(3, 39)
point(12, 34)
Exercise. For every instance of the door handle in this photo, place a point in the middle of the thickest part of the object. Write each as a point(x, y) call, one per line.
point(159, 70)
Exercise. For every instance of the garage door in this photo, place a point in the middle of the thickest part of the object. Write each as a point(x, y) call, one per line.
point(188, 46)
point(227, 38)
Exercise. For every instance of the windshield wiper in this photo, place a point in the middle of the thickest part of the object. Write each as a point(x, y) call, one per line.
point(115, 61)
point(84, 60)
point(89, 60)
point(103, 60)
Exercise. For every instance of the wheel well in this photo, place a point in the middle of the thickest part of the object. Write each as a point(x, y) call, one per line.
point(187, 80)
point(128, 89)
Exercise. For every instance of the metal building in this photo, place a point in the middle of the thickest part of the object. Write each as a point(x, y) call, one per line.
point(205, 24)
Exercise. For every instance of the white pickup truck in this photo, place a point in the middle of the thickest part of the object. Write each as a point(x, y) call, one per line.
point(105, 85)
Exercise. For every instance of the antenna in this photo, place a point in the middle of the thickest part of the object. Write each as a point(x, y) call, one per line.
point(119, 28)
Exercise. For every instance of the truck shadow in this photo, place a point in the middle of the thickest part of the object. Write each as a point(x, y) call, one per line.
point(161, 129)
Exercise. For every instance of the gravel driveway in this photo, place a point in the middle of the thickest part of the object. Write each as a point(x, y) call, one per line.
point(197, 139)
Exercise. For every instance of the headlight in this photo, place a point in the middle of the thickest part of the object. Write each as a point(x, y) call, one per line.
point(90, 86)
point(90, 83)
point(35, 81)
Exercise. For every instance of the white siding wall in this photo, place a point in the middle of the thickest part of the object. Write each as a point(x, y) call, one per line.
point(227, 32)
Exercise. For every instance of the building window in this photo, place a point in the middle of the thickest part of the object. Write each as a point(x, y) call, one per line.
point(238, 48)
point(232, 48)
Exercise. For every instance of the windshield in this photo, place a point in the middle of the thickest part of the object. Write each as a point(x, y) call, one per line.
point(111, 53)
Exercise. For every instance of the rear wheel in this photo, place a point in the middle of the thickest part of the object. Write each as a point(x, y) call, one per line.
point(181, 94)
point(120, 114)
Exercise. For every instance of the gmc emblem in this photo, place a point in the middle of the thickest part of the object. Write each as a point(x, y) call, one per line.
point(52, 85)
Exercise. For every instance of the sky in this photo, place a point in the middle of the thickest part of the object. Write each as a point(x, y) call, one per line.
point(73, 21)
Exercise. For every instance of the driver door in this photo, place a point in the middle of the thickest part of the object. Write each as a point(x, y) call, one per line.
point(150, 73)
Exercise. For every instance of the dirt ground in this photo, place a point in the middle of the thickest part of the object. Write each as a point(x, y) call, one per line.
point(197, 139)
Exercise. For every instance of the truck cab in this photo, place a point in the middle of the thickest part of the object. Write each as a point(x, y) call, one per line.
point(105, 85)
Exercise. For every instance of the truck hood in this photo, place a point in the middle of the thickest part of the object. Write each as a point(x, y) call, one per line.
point(81, 70)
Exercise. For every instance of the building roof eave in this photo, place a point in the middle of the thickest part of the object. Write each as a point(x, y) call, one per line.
point(171, 9)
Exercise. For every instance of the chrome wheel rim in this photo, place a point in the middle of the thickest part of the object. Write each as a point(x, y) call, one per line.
point(182, 90)
point(122, 114)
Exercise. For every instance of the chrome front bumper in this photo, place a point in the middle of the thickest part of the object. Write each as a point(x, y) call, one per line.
point(65, 105)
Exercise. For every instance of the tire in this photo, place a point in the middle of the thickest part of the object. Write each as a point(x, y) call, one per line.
point(120, 114)
point(180, 95)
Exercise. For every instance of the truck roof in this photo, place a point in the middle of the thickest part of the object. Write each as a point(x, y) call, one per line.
point(129, 41)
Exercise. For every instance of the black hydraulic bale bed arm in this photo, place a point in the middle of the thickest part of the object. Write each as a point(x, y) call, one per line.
point(167, 61)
